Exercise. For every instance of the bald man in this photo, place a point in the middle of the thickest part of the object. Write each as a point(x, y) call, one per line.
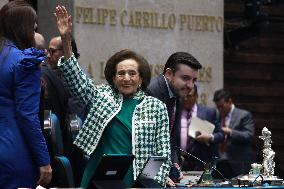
point(55, 51)
point(39, 41)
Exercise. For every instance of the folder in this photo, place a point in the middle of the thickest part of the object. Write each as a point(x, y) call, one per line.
point(198, 126)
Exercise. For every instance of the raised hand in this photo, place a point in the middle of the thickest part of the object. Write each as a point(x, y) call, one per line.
point(64, 23)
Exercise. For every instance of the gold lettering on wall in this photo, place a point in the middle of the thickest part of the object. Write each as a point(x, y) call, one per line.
point(148, 19)
point(204, 23)
point(122, 17)
point(112, 17)
point(205, 74)
point(203, 98)
point(87, 15)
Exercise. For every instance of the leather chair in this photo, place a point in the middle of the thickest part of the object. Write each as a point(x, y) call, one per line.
point(62, 170)
point(75, 124)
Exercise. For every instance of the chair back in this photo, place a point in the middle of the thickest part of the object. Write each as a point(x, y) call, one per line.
point(75, 124)
point(63, 172)
point(52, 132)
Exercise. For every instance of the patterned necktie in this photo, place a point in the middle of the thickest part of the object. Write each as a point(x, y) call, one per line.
point(223, 145)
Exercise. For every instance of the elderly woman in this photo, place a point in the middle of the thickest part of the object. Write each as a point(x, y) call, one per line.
point(121, 119)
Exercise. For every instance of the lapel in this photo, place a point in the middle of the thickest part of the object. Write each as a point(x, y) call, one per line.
point(163, 87)
point(57, 83)
point(234, 118)
point(201, 112)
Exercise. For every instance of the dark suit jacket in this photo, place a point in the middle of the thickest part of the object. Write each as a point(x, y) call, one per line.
point(239, 145)
point(158, 88)
point(57, 93)
point(200, 150)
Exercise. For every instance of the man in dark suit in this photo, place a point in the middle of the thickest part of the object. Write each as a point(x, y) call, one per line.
point(204, 146)
point(238, 127)
point(57, 95)
point(58, 99)
point(180, 74)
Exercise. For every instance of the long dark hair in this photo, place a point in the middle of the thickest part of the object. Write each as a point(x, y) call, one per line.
point(17, 21)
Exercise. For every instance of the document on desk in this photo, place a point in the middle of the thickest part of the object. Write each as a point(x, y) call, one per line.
point(198, 126)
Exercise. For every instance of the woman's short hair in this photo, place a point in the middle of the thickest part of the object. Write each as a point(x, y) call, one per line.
point(143, 66)
point(17, 22)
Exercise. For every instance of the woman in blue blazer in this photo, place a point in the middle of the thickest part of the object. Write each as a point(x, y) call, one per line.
point(24, 158)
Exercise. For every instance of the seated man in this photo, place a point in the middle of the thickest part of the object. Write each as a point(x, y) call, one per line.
point(203, 146)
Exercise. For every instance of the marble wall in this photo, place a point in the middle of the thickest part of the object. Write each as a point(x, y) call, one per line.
point(155, 29)
point(3, 2)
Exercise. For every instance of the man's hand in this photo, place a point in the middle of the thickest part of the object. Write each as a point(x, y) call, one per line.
point(45, 175)
point(204, 138)
point(178, 168)
point(227, 130)
point(170, 183)
point(177, 174)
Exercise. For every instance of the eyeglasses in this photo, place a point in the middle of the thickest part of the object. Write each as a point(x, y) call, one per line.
point(131, 73)
point(52, 50)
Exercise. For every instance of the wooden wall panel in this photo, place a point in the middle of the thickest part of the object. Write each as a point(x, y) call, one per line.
point(254, 71)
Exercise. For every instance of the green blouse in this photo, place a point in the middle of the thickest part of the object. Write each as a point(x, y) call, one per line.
point(116, 139)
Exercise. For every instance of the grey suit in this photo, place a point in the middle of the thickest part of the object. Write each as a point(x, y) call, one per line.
point(239, 144)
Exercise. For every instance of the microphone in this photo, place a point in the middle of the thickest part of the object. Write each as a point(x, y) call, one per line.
point(204, 163)
point(189, 154)
point(251, 184)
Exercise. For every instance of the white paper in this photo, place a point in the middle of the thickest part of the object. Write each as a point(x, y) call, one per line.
point(198, 125)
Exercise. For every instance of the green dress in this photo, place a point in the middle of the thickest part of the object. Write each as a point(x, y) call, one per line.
point(116, 139)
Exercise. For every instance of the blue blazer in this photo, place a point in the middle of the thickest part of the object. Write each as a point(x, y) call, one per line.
point(22, 146)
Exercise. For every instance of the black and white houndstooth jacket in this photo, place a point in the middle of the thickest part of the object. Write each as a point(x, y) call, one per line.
point(150, 125)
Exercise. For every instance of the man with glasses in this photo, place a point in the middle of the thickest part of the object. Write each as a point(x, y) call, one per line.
point(59, 100)
point(54, 52)
point(56, 93)
point(238, 126)
point(57, 96)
